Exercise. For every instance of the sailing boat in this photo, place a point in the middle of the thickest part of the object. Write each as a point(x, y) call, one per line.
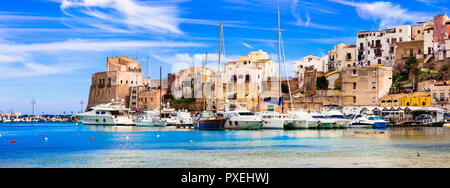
point(275, 120)
point(209, 121)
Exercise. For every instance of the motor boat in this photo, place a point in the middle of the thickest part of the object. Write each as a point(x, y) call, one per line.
point(368, 121)
point(301, 120)
point(240, 118)
point(113, 113)
point(272, 120)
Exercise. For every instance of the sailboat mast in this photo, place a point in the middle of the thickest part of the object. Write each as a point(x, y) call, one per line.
point(218, 69)
point(279, 58)
point(203, 83)
point(160, 90)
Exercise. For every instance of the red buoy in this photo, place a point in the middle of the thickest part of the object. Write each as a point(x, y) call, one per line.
point(103, 133)
point(90, 139)
point(78, 134)
point(13, 141)
point(42, 134)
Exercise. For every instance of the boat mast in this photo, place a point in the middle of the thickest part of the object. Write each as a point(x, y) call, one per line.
point(203, 82)
point(279, 58)
point(160, 90)
point(285, 72)
point(218, 70)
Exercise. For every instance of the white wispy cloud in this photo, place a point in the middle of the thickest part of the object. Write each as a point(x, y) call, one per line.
point(124, 14)
point(246, 45)
point(306, 21)
point(386, 13)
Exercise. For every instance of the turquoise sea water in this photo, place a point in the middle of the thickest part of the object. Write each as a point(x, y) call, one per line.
point(169, 147)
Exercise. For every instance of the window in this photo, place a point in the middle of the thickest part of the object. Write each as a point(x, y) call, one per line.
point(354, 85)
point(354, 71)
point(434, 96)
point(374, 100)
point(374, 85)
point(354, 99)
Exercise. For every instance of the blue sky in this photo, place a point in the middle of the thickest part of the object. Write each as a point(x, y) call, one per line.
point(50, 48)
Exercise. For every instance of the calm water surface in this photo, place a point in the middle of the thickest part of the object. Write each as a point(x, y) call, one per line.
point(121, 147)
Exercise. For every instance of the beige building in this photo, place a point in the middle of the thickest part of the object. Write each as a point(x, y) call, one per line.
point(320, 64)
point(118, 82)
point(417, 32)
point(440, 94)
point(341, 56)
point(189, 82)
point(259, 60)
point(365, 86)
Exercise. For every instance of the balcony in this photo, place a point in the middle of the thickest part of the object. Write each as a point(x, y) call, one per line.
point(442, 101)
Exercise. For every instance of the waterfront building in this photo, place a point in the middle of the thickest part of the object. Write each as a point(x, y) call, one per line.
point(150, 99)
point(364, 86)
point(392, 100)
point(341, 56)
point(123, 75)
point(417, 99)
point(440, 94)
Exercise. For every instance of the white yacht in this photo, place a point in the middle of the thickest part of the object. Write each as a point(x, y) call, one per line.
point(184, 118)
point(113, 113)
point(324, 122)
point(341, 121)
point(272, 120)
point(146, 120)
point(240, 118)
point(302, 120)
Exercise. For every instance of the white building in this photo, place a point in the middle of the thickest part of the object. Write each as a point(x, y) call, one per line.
point(378, 47)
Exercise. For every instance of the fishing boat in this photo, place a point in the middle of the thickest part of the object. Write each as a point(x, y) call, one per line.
point(272, 120)
point(209, 121)
point(240, 118)
point(113, 113)
point(368, 121)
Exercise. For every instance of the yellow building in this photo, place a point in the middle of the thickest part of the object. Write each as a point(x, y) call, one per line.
point(417, 99)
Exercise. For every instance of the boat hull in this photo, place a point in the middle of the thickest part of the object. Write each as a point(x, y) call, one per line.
point(273, 124)
point(296, 124)
point(212, 124)
point(243, 125)
point(145, 124)
point(327, 125)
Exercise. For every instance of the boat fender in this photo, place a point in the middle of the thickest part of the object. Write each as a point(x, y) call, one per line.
point(13, 141)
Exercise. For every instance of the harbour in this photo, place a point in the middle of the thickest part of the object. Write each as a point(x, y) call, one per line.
point(68, 145)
